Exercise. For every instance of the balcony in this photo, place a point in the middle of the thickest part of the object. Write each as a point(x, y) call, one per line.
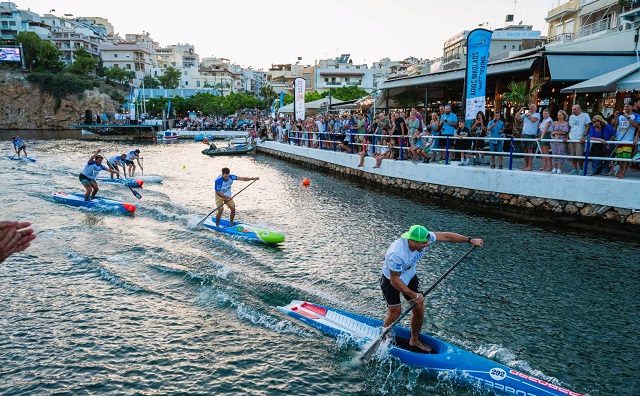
point(630, 11)
point(560, 38)
point(603, 24)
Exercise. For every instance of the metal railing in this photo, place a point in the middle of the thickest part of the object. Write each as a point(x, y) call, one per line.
point(330, 141)
point(603, 24)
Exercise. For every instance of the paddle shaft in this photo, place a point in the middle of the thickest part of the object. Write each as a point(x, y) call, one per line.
point(369, 352)
point(234, 195)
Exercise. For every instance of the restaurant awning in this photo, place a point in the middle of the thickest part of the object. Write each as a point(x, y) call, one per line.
point(569, 67)
point(607, 82)
point(501, 67)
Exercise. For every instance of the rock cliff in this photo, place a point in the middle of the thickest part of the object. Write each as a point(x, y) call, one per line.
point(25, 106)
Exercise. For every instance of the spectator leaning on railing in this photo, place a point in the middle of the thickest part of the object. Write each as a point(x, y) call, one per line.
point(530, 119)
point(599, 133)
point(627, 131)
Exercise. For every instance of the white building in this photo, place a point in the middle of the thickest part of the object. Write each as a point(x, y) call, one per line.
point(128, 56)
point(341, 72)
point(14, 21)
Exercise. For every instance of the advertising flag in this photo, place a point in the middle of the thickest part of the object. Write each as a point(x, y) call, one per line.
point(478, 43)
point(298, 98)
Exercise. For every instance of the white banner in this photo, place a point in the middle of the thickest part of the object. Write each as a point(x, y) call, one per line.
point(298, 98)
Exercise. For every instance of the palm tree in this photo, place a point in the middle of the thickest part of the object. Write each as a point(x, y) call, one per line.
point(520, 93)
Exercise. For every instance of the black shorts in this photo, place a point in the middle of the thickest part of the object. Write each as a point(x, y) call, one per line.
point(84, 179)
point(392, 295)
point(111, 165)
point(463, 144)
point(127, 162)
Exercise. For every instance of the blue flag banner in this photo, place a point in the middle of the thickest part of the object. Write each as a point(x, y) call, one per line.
point(478, 43)
point(168, 107)
point(281, 98)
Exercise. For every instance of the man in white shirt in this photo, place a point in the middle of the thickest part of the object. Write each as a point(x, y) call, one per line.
point(399, 275)
point(530, 119)
point(579, 123)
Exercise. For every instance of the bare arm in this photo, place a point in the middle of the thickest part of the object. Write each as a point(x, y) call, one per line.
point(453, 237)
point(399, 285)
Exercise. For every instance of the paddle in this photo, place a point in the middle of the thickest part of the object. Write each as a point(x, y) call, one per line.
point(134, 192)
point(207, 216)
point(366, 356)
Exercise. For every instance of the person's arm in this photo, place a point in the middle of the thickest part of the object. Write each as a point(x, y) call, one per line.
point(14, 237)
point(247, 178)
point(453, 237)
point(632, 121)
point(399, 285)
point(93, 156)
point(519, 114)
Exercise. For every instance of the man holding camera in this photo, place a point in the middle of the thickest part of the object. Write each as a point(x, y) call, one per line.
point(530, 119)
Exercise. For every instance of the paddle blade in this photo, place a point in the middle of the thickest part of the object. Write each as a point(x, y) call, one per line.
point(368, 354)
point(135, 193)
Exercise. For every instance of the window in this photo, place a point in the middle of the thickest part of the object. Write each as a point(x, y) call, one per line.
point(186, 83)
point(197, 83)
point(513, 47)
point(326, 80)
point(155, 73)
point(128, 66)
point(115, 55)
point(504, 47)
point(116, 66)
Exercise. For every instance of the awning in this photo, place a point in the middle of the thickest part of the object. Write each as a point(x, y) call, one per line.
point(607, 82)
point(315, 105)
point(584, 67)
point(630, 82)
point(500, 67)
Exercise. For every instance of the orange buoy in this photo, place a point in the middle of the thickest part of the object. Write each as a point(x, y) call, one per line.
point(305, 182)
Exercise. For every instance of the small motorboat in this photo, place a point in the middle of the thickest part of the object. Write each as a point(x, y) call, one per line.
point(168, 136)
point(237, 146)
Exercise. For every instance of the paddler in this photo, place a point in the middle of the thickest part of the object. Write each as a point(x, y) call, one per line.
point(90, 172)
point(19, 145)
point(222, 187)
point(116, 161)
point(133, 155)
point(399, 274)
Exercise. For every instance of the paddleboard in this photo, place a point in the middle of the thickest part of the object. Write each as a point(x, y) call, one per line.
point(150, 178)
point(21, 158)
point(244, 230)
point(127, 182)
point(446, 360)
point(75, 199)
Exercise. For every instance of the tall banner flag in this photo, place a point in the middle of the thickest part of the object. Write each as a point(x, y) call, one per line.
point(298, 98)
point(478, 43)
point(281, 99)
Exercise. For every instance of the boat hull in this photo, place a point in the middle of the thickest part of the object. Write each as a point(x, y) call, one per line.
point(245, 149)
point(245, 231)
point(75, 199)
point(448, 361)
point(150, 178)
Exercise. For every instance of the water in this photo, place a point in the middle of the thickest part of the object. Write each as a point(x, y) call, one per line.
point(110, 304)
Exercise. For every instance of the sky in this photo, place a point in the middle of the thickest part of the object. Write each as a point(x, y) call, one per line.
point(258, 33)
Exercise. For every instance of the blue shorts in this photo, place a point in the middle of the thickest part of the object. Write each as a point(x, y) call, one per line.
point(498, 146)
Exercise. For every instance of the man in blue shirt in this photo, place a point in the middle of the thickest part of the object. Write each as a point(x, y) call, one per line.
point(222, 187)
point(19, 145)
point(495, 129)
point(449, 123)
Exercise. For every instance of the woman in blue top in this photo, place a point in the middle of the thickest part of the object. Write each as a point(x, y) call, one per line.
point(90, 172)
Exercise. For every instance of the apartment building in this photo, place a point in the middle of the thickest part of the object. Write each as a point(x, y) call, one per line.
point(340, 72)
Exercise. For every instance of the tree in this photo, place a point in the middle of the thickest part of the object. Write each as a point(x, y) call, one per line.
point(38, 54)
point(350, 92)
point(151, 82)
point(83, 64)
point(288, 98)
point(170, 79)
point(115, 74)
point(519, 92)
point(311, 96)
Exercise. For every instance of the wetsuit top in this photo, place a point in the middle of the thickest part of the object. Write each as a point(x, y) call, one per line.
point(115, 160)
point(132, 155)
point(224, 186)
point(92, 169)
point(400, 259)
point(18, 143)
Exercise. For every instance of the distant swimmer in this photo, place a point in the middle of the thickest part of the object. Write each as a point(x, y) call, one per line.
point(19, 145)
point(133, 155)
point(90, 172)
point(116, 161)
point(222, 187)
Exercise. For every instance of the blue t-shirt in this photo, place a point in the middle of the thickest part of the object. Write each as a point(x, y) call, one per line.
point(91, 169)
point(132, 155)
point(496, 131)
point(224, 186)
point(18, 143)
point(449, 130)
point(607, 133)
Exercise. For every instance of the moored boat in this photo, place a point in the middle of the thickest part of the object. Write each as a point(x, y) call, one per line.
point(448, 361)
point(75, 199)
point(232, 149)
point(168, 136)
point(245, 231)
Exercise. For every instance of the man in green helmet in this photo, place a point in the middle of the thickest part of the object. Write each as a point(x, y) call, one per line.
point(399, 275)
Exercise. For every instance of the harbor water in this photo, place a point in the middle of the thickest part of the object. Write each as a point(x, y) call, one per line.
point(110, 304)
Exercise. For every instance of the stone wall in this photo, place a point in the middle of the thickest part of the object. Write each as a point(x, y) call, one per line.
point(24, 106)
point(578, 214)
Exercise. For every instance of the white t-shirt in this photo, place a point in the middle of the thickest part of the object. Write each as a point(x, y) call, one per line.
point(625, 132)
point(577, 125)
point(400, 259)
